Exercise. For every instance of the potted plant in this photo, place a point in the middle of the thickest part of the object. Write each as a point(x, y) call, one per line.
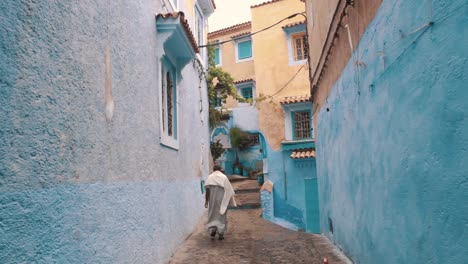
point(239, 140)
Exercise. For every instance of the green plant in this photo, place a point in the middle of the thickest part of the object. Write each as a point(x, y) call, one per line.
point(239, 141)
point(217, 149)
point(220, 85)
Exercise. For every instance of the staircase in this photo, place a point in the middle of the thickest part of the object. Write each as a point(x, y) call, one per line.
point(247, 192)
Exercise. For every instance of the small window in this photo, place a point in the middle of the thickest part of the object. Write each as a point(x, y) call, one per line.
point(217, 58)
point(199, 26)
point(218, 102)
point(168, 105)
point(299, 46)
point(301, 124)
point(247, 92)
point(253, 139)
point(244, 50)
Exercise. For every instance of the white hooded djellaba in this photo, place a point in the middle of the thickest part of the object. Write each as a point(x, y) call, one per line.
point(221, 194)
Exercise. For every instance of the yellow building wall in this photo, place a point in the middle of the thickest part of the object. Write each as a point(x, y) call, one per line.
point(238, 70)
point(272, 69)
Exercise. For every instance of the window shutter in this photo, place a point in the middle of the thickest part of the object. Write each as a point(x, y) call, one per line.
point(244, 49)
point(216, 58)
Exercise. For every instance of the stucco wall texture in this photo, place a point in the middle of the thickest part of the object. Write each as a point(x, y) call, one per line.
point(273, 73)
point(73, 187)
point(392, 149)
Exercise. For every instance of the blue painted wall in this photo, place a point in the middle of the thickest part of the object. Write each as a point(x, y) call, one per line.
point(289, 190)
point(73, 187)
point(392, 151)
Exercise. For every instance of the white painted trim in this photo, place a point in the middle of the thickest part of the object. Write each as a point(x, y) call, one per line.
point(174, 8)
point(166, 140)
point(197, 10)
point(239, 92)
point(292, 61)
point(240, 40)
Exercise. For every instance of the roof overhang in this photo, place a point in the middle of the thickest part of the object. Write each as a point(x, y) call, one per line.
point(207, 6)
point(295, 27)
point(303, 154)
point(179, 42)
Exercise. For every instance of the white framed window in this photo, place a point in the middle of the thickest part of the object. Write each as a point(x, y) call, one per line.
point(200, 29)
point(299, 46)
point(246, 90)
point(168, 104)
point(244, 51)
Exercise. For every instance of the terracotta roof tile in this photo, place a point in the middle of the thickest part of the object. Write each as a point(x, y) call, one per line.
point(303, 154)
point(241, 35)
point(185, 24)
point(295, 99)
point(244, 80)
point(234, 28)
point(264, 3)
point(293, 24)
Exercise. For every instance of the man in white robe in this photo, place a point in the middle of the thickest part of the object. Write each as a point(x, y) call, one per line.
point(219, 194)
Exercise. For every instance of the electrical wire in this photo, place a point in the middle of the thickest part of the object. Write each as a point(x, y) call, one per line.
point(288, 82)
point(256, 32)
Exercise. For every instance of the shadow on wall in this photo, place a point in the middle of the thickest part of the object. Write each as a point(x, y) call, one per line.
point(287, 212)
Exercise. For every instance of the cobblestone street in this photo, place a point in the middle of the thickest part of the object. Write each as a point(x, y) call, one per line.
point(250, 239)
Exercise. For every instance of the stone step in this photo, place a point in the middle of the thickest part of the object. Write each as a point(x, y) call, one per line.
point(246, 206)
point(237, 178)
point(248, 200)
point(253, 190)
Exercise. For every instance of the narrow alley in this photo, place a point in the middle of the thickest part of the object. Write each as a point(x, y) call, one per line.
point(251, 239)
point(340, 127)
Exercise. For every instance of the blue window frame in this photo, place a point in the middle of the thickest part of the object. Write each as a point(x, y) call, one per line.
point(217, 58)
point(244, 49)
point(247, 92)
point(301, 124)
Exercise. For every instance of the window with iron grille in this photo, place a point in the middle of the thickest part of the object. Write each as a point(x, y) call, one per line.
point(301, 124)
point(168, 106)
point(169, 96)
point(254, 139)
point(300, 46)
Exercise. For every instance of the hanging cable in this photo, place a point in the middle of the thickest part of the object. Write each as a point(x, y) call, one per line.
point(288, 82)
point(256, 32)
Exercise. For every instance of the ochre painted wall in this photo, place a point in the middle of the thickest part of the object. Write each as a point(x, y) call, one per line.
point(272, 69)
point(238, 70)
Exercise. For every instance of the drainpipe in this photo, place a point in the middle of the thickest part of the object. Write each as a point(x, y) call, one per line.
point(349, 38)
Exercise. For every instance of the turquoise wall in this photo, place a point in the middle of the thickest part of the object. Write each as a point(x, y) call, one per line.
point(392, 149)
point(290, 177)
point(75, 188)
point(126, 222)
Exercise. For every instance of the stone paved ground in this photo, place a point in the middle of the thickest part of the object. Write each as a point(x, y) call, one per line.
point(250, 239)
